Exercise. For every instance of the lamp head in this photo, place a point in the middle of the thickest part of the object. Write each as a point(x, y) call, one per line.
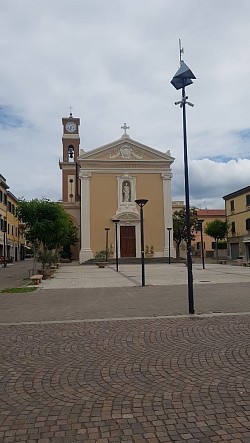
point(200, 224)
point(141, 202)
point(183, 77)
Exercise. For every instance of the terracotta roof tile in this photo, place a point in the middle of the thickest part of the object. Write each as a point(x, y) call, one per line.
point(211, 213)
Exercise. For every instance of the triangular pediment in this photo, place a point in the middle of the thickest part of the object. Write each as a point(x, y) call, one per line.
point(125, 149)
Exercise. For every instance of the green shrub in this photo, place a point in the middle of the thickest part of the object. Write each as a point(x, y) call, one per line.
point(101, 255)
point(47, 259)
point(222, 244)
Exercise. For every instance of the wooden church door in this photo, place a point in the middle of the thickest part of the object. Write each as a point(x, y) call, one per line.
point(127, 241)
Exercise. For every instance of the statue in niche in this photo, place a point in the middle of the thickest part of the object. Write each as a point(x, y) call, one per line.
point(126, 192)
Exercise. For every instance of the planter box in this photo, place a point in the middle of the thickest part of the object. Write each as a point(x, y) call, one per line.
point(101, 264)
point(47, 273)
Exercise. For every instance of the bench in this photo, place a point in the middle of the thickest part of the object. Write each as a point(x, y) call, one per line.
point(222, 262)
point(36, 279)
point(245, 263)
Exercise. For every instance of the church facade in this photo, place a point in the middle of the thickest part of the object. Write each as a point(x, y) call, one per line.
point(99, 189)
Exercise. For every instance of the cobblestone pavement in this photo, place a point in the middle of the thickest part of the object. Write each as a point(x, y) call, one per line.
point(104, 303)
point(130, 381)
point(68, 378)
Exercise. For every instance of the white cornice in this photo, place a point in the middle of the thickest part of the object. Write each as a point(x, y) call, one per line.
point(73, 136)
point(125, 168)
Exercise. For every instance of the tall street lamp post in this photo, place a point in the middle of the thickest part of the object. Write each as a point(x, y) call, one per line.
point(107, 242)
point(141, 203)
point(116, 243)
point(202, 244)
point(181, 79)
point(169, 233)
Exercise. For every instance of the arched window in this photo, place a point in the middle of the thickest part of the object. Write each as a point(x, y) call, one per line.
point(71, 153)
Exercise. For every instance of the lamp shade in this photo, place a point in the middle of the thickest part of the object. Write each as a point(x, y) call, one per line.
point(183, 77)
point(141, 202)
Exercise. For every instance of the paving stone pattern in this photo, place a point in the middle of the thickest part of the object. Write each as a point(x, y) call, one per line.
point(130, 381)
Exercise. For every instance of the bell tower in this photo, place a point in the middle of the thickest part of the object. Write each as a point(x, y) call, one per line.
point(71, 144)
point(70, 175)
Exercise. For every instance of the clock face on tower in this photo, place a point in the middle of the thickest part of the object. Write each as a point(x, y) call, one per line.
point(70, 126)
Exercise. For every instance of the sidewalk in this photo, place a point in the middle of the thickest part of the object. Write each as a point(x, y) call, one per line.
point(73, 275)
point(76, 276)
point(15, 274)
point(78, 293)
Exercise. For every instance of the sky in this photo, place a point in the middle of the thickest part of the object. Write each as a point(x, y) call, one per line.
point(112, 62)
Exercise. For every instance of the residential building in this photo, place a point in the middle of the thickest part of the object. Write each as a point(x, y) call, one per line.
point(207, 216)
point(237, 207)
point(100, 186)
point(3, 213)
point(177, 205)
point(12, 242)
point(15, 240)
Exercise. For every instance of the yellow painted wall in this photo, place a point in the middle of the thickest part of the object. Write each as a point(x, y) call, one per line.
point(12, 220)
point(150, 186)
point(2, 206)
point(3, 217)
point(103, 206)
point(239, 215)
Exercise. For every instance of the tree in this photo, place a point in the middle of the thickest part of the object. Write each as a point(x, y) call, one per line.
point(217, 229)
point(48, 225)
point(180, 229)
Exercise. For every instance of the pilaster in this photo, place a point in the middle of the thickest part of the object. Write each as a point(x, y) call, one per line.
point(85, 252)
point(167, 210)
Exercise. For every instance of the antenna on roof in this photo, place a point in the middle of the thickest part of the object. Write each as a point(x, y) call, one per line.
point(181, 49)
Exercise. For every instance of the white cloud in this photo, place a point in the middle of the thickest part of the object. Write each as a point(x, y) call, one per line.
point(209, 181)
point(113, 62)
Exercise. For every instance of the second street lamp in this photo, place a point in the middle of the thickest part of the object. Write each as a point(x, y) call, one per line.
point(202, 244)
point(116, 243)
point(181, 79)
point(107, 242)
point(169, 237)
point(141, 203)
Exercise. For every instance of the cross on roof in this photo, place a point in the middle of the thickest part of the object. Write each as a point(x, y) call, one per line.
point(70, 110)
point(125, 127)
